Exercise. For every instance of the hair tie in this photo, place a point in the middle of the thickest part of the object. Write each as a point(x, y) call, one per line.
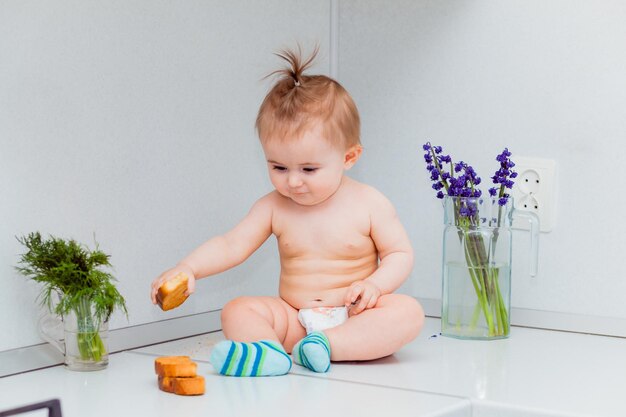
point(297, 83)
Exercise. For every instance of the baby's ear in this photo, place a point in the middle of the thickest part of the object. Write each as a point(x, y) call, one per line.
point(352, 155)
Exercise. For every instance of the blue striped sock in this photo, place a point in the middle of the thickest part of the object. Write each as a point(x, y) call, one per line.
point(263, 358)
point(313, 352)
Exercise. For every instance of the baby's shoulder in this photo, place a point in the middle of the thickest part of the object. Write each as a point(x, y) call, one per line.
point(269, 200)
point(365, 193)
point(273, 201)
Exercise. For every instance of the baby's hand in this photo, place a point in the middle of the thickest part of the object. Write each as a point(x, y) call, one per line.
point(367, 294)
point(171, 274)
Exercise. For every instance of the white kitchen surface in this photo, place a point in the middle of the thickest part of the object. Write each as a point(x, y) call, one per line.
point(533, 373)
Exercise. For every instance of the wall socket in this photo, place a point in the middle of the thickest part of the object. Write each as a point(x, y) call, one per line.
point(535, 191)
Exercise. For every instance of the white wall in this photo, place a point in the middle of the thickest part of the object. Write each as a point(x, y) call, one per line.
point(545, 78)
point(135, 121)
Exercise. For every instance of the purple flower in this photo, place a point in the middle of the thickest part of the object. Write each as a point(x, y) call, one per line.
point(436, 166)
point(503, 177)
point(464, 211)
point(460, 179)
point(464, 184)
point(504, 156)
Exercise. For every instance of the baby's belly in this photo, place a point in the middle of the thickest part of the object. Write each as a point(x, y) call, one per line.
point(308, 299)
point(308, 289)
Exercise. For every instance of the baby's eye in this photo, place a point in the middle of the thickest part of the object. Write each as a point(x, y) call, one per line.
point(279, 168)
point(309, 169)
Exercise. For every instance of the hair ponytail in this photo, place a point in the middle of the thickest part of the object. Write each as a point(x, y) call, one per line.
point(297, 66)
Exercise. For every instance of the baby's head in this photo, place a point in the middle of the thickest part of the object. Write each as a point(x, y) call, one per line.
point(298, 103)
point(309, 129)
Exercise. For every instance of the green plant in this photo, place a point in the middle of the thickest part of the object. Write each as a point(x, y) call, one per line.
point(71, 270)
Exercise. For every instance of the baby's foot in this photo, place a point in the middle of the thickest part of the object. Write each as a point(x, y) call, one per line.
point(264, 358)
point(313, 352)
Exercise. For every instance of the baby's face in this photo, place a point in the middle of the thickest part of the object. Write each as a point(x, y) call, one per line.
point(307, 170)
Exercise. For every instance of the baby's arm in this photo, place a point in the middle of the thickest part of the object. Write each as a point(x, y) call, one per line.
point(221, 253)
point(394, 251)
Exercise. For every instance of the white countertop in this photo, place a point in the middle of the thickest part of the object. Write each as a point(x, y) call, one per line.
point(533, 373)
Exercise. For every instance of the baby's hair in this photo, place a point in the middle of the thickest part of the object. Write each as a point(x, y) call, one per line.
point(298, 101)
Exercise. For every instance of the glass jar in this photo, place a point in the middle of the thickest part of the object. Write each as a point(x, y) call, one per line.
point(477, 247)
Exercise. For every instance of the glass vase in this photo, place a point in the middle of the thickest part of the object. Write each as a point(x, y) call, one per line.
point(80, 336)
point(477, 247)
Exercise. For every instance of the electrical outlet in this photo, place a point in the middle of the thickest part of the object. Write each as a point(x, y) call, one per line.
point(535, 190)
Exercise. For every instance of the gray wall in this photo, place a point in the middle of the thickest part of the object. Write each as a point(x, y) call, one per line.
point(133, 121)
point(545, 78)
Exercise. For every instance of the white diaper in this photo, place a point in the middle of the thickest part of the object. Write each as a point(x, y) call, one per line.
point(320, 318)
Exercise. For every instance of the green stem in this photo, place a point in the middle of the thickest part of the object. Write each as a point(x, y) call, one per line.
point(90, 343)
point(475, 315)
point(502, 310)
point(489, 296)
point(478, 280)
point(504, 315)
point(481, 264)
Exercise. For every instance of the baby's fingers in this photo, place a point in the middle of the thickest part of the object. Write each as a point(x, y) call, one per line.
point(154, 289)
point(366, 300)
point(362, 304)
point(352, 295)
point(372, 302)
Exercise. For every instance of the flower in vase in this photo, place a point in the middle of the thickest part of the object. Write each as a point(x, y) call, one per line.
point(457, 182)
point(503, 177)
point(443, 170)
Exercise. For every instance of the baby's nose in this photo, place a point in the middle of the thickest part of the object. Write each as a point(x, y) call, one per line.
point(294, 181)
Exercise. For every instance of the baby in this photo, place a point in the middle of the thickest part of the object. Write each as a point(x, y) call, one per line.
point(343, 251)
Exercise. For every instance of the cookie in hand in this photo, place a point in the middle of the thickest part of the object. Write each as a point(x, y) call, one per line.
point(172, 293)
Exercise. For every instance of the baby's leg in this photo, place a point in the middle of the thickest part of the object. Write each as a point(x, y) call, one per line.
point(380, 331)
point(249, 319)
point(256, 328)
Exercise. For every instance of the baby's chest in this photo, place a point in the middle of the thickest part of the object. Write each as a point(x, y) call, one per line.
point(342, 236)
